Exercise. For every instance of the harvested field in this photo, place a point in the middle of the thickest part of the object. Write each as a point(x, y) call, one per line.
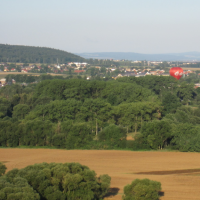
point(4, 74)
point(191, 68)
point(179, 173)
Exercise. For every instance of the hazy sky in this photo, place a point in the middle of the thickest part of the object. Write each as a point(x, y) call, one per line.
point(141, 26)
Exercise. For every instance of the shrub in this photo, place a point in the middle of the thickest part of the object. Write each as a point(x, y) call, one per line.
point(144, 189)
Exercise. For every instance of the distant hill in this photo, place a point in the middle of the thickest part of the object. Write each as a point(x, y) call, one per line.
point(30, 54)
point(189, 56)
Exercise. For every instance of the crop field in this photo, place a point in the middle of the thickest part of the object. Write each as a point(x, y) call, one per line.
point(179, 173)
point(191, 68)
point(4, 74)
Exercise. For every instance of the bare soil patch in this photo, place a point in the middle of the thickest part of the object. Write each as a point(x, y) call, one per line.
point(129, 137)
point(175, 170)
point(185, 171)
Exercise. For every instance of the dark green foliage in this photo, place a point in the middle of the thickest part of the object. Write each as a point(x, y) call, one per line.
point(186, 137)
point(114, 136)
point(186, 93)
point(82, 89)
point(17, 189)
point(22, 78)
point(139, 143)
point(58, 110)
point(2, 169)
point(33, 133)
point(54, 181)
point(75, 113)
point(158, 84)
point(198, 90)
point(42, 101)
point(20, 110)
point(170, 103)
point(51, 88)
point(29, 54)
point(59, 141)
point(5, 107)
point(118, 92)
point(9, 133)
point(157, 134)
point(75, 136)
point(95, 111)
point(133, 115)
point(185, 114)
point(37, 133)
point(9, 90)
point(144, 189)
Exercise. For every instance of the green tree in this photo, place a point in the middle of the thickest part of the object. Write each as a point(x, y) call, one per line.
point(157, 133)
point(144, 189)
point(170, 103)
point(186, 93)
point(5, 107)
point(20, 111)
point(55, 181)
point(16, 189)
point(114, 136)
point(133, 115)
point(186, 137)
point(96, 111)
point(2, 169)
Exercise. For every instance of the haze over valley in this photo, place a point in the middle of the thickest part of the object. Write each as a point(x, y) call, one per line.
point(188, 56)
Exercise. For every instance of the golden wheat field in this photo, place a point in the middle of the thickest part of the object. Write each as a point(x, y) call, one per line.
point(179, 173)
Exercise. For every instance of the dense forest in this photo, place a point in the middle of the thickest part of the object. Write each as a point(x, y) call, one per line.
point(161, 112)
point(29, 54)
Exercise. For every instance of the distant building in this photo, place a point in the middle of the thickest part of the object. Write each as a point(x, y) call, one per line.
point(78, 64)
point(3, 81)
point(24, 71)
point(197, 85)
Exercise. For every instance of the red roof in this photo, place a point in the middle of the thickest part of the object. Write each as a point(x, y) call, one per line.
point(79, 71)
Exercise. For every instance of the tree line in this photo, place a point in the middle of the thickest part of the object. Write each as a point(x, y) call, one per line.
point(76, 113)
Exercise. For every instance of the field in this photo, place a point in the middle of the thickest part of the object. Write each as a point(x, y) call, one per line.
point(4, 74)
point(179, 173)
point(190, 68)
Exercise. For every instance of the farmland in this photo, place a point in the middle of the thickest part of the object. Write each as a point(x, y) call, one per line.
point(4, 74)
point(178, 172)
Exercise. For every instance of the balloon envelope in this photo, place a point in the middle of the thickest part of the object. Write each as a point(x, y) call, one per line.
point(176, 72)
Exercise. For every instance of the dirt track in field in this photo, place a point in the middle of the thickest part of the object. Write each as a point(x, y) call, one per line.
point(179, 173)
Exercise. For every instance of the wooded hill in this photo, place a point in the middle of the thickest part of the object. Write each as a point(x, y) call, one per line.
point(30, 54)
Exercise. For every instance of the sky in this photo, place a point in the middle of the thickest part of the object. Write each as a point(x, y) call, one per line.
point(80, 26)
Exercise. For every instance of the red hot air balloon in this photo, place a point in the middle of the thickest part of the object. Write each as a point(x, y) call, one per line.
point(176, 72)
